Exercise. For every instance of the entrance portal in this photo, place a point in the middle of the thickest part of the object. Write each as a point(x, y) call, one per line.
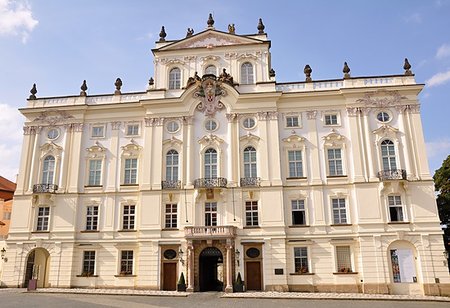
point(211, 269)
point(37, 267)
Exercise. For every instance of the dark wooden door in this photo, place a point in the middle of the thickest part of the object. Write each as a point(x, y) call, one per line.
point(253, 275)
point(169, 276)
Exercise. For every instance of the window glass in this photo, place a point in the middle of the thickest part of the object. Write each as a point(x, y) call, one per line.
point(172, 126)
point(129, 215)
point(295, 164)
point(211, 214)
point(395, 208)
point(53, 134)
point(251, 213)
point(298, 212)
point(210, 125)
point(383, 116)
point(292, 121)
point(388, 155)
point(211, 69)
point(250, 165)
point(249, 123)
point(95, 172)
point(343, 259)
point(247, 73)
point(132, 129)
point(172, 166)
point(331, 119)
point(171, 216)
point(210, 163)
point(301, 260)
point(335, 162)
point(48, 170)
point(43, 218)
point(130, 171)
point(91, 218)
point(98, 131)
point(339, 211)
point(126, 262)
point(175, 78)
point(88, 263)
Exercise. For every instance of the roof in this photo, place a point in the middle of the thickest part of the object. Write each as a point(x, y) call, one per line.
point(7, 185)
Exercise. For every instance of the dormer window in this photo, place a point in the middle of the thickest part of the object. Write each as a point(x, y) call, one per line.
point(211, 69)
point(247, 73)
point(175, 78)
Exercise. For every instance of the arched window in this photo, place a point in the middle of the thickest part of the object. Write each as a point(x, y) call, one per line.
point(246, 73)
point(48, 170)
point(175, 78)
point(172, 166)
point(388, 155)
point(211, 69)
point(250, 162)
point(210, 163)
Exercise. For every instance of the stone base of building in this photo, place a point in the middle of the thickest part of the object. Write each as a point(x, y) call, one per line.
point(436, 289)
point(326, 288)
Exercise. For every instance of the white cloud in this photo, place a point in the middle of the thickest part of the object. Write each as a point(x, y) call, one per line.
point(414, 18)
point(443, 51)
point(438, 148)
point(16, 19)
point(438, 79)
point(10, 141)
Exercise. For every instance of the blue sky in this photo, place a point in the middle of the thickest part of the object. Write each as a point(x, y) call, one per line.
point(57, 44)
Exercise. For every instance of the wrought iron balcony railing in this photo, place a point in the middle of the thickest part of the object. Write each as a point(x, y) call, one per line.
point(171, 184)
point(210, 183)
point(392, 174)
point(210, 232)
point(45, 188)
point(250, 182)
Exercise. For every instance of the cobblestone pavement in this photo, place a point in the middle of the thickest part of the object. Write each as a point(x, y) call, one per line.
point(113, 292)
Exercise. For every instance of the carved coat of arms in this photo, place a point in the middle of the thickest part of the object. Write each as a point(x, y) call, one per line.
point(210, 92)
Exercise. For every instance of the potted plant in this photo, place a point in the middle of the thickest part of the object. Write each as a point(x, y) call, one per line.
point(181, 285)
point(238, 286)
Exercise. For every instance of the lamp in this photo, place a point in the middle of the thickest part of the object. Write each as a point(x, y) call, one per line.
point(3, 252)
point(180, 253)
point(238, 253)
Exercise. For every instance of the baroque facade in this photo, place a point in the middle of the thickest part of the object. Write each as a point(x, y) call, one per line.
point(218, 170)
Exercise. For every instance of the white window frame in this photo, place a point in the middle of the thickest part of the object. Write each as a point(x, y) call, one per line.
point(334, 159)
point(301, 249)
point(248, 119)
point(252, 162)
point(129, 217)
point(172, 170)
point(174, 80)
point(290, 119)
point(330, 115)
point(298, 203)
point(339, 210)
point(132, 260)
point(251, 213)
point(48, 173)
point(171, 217)
point(97, 172)
point(294, 143)
point(344, 269)
point(128, 171)
point(245, 77)
point(92, 218)
point(132, 126)
point(296, 162)
point(389, 156)
point(90, 262)
point(213, 168)
point(213, 214)
point(171, 123)
point(396, 201)
point(43, 219)
point(94, 127)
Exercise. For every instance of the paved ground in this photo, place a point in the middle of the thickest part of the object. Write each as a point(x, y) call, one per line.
point(20, 298)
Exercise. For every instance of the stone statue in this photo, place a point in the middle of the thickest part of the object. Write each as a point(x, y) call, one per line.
point(225, 77)
point(231, 29)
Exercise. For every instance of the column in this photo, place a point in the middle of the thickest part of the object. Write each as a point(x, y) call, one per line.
point(229, 286)
point(189, 155)
point(232, 160)
point(115, 158)
point(65, 161)
point(356, 149)
point(74, 160)
point(273, 144)
point(190, 250)
point(419, 143)
point(25, 159)
point(314, 167)
point(264, 150)
point(147, 155)
point(369, 149)
point(35, 160)
point(156, 168)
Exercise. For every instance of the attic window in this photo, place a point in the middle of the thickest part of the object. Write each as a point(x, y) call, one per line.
point(175, 78)
point(211, 69)
point(246, 73)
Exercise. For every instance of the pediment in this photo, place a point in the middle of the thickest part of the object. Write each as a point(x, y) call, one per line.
point(172, 142)
point(249, 137)
point(50, 146)
point(334, 139)
point(385, 131)
point(131, 149)
point(97, 150)
point(210, 39)
point(294, 139)
point(210, 140)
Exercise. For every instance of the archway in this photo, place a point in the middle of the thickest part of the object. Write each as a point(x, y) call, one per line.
point(37, 267)
point(211, 269)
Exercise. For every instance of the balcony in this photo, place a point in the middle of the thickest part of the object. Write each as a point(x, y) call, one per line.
point(209, 232)
point(210, 183)
point(250, 182)
point(45, 188)
point(171, 184)
point(392, 174)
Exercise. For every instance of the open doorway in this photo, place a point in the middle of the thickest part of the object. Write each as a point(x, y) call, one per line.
point(211, 270)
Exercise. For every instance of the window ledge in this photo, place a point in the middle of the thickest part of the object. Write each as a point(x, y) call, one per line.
point(84, 276)
point(296, 178)
point(93, 186)
point(398, 223)
point(340, 225)
point(342, 273)
point(301, 274)
point(90, 231)
point(170, 229)
point(127, 185)
point(34, 232)
point(251, 227)
point(125, 275)
point(336, 176)
point(127, 230)
point(299, 226)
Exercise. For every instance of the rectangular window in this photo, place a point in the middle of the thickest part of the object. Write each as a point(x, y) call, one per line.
point(88, 263)
point(335, 162)
point(95, 172)
point(292, 121)
point(98, 131)
point(295, 164)
point(301, 260)
point(43, 218)
point(132, 130)
point(130, 171)
point(343, 259)
point(251, 213)
point(298, 212)
point(129, 215)
point(171, 216)
point(91, 218)
point(211, 214)
point(339, 211)
point(395, 208)
point(331, 119)
point(126, 262)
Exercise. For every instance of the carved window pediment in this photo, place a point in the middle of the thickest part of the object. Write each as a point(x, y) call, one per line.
point(211, 140)
point(172, 142)
point(51, 148)
point(334, 139)
point(249, 138)
point(386, 131)
point(96, 151)
point(131, 150)
point(294, 141)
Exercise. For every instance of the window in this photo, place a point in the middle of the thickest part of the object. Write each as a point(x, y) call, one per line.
point(91, 218)
point(95, 172)
point(388, 155)
point(210, 163)
point(331, 119)
point(251, 213)
point(171, 216)
point(395, 208)
point(249, 123)
point(210, 125)
point(335, 162)
point(6, 215)
point(211, 214)
point(53, 134)
point(88, 263)
point(175, 78)
point(130, 172)
point(126, 262)
point(132, 130)
point(295, 164)
point(211, 69)
point(250, 162)
point(301, 260)
point(172, 166)
point(343, 259)
point(48, 170)
point(43, 218)
point(129, 215)
point(98, 131)
point(383, 117)
point(298, 212)
point(339, 211)
point(172, 126)
point(246, 73)
point(292, 121)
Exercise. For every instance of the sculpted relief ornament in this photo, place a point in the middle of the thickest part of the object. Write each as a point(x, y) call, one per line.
point(210, 92)
point(52, 117)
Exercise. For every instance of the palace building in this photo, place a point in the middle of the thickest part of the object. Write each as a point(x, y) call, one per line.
point(217, 170)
